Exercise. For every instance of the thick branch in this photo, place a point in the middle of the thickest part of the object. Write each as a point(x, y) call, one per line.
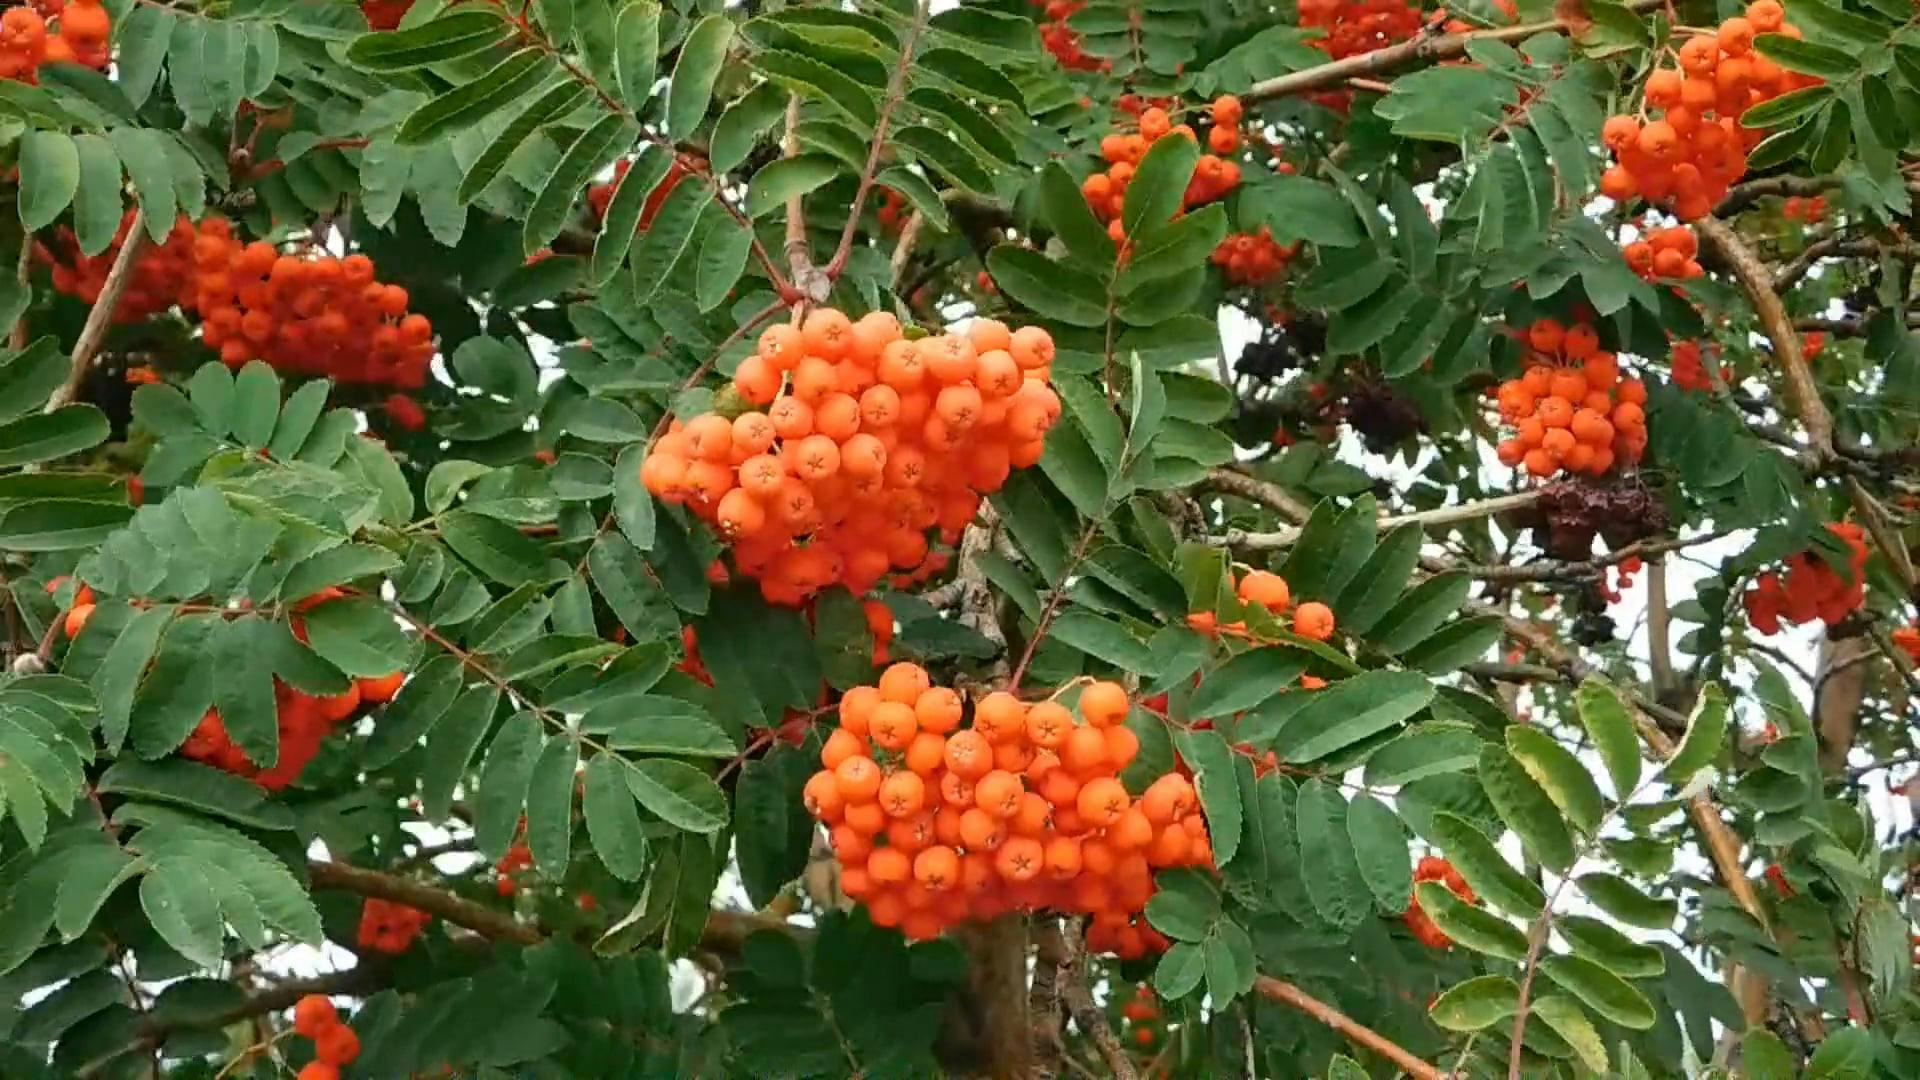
point(1758, 285)
point(1824, 248)
point(101, 316)
point(489, 923)
point(1428, 48)
point(1087, 1014)
point(1355, 1032)
point(1744, 195)
point(812, 285)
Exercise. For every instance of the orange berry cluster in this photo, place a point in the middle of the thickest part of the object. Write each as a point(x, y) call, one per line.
point(79, 611)
point(304, 721)
point(934, 823)
point(1697, 148)
point(334, 1043)
point(385, 14)
point(1063, 41)
point(1434, 868)
point(1908, 640)
point(303, 314)
point(1665, 253)
point(79, 36)
point(600, 196)
point(1813, 590)
point(1359, 26)
point(1689, 369)
point(306, 315)
point(868, 438)
point(1213, 176)
point(1572, 410)
point(1252, 258)
point(154, 285)
point(389, 927)
point(1809, 210)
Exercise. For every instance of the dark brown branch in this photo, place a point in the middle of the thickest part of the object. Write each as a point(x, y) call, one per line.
point(1744, 195)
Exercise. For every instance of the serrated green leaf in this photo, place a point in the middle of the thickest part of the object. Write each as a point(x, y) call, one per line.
point(1525, 808)
point(471, 102)
point(1601, 990)
point(1476, 1004)
point(680, 794)
point(1706, 736)
point(1351, 710)
point(49, 177)
point(702, 54)
point(1559, 774)
point(593, 150)
point(1619, 898)
point(447, 37)
point(1610, 726)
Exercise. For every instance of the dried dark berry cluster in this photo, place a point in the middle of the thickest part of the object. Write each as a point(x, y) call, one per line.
point(1381, 417)
point(1619, 511)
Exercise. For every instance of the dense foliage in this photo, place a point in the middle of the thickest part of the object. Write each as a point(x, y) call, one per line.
point(1175, 538)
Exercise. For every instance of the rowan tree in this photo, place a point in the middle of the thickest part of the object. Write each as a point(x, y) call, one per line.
point(1185, 538)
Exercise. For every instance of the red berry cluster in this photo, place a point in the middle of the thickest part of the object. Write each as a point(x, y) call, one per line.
point(385, 14)
point(868, 439)
point(1689, 370)
point(1572, 410)
point(1813, 344)
point(1697, 148)
point(1434, 868)
point(79, 36)
point(893, 210)
point(154, 285)
point(517, 860)
point(334, 1043)
point(1142, 1014)
point(1812, 590)
point(1063, 41)
point(1213, 176)
point(1252, 258)
point(599, 196)
point(1623, 578)
point(304, 720)
point(1810, 211)
point(1359, 26)
point(390, 927)
point(935, 824)
point(1665, 253)
point(1907, 638)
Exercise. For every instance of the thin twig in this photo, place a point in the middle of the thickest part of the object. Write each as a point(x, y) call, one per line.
point(17, 338)
point(94, 332)
point(903, 247)
point(1355, 1032)
point(896, 89)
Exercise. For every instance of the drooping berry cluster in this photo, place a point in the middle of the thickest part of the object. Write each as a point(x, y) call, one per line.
point(304, 720)
point(335, 1046)
point(1808, 210)
point(1697, 147)
point(1572, 410)
point(1252, 258)
point(390, 927)
point(1213, 175)
point(1813, 589)
point(303, 313)
point(1665, 253)
point(935, 823)
point(78, 36)
point(868, 439)
point(1063, 41)
point(1688, 367)
point(1434, 868)
point(600, 196)
point(1359, 26)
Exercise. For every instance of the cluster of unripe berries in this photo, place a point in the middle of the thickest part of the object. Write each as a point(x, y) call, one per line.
point(304, 314)
point(1252, 258)
point(1665, 253)
point(1688, 367)
point(600, 196)
point(390, 927)
point(935, 823)
point(1696, 148)
point(860, 438)
point(1213, 175)
point(1063, 41)
point(335, 1046)
point(79, 36)
point(1572, 410)
point(1434, 868)
point(1812, 590)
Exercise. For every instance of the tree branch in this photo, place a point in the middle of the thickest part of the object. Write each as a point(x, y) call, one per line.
point(896, 88)
point(1355, 1032)
point(100, 317)
point(1741, 196)
point(1427, 48)
point(1087, 1014)
point(1802, 391)
point(809, 282)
